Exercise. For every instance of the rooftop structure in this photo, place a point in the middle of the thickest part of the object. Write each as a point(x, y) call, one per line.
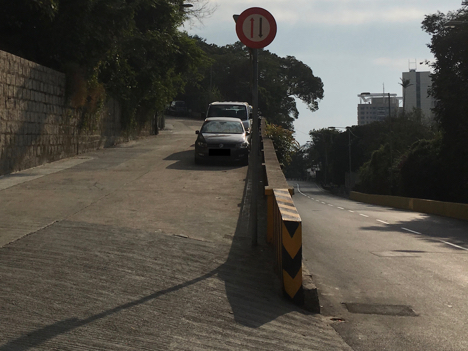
point(374, 107)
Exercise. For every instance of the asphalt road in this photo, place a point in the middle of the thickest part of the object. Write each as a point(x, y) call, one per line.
point(390, 279)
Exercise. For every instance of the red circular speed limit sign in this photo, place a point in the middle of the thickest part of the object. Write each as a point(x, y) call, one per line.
point(256, 28)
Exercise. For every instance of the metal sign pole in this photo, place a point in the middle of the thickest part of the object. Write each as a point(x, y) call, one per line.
point(256, 28)
point(254, 151)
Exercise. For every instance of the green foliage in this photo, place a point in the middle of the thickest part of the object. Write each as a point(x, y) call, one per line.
point(422, 172)
point(283, 141)
point(281, 80)
point(376, 174)
point(85, 95)
point(299, 164)
point(133, 50)
point(450, 88)
point(375, 151)
point(323, 140)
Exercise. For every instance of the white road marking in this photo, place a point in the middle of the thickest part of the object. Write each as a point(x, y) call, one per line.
point(299, 189)
point(341, 208)
point(458, 247)
point(442, 241)
point(411, 231)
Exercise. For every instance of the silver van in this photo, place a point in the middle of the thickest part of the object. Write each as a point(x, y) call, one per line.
point(241, 110)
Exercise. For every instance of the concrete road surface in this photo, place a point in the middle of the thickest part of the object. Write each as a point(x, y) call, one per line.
point(137, 248)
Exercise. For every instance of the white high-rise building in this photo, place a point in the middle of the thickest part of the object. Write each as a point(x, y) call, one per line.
point(375, 107)
point(416, 95)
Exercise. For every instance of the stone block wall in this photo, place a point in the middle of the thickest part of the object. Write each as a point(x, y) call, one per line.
point(36, 125)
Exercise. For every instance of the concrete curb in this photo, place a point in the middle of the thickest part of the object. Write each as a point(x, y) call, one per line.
point(311, 298)
point(440, 208)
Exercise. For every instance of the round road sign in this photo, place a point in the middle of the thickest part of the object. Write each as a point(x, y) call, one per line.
point(256, 28)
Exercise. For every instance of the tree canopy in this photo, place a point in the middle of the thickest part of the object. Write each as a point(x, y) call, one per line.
point(281, 80)
point(133, 49)
point(404, 155)
point(378, 152)
point(449, 38)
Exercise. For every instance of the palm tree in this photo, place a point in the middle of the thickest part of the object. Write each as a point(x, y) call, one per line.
point(405, 83)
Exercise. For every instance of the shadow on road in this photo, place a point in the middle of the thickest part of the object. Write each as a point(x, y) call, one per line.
point(186, 162)
point(430, 228)
point(251, 286)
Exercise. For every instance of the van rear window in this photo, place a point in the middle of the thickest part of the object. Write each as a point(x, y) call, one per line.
point(238, 111)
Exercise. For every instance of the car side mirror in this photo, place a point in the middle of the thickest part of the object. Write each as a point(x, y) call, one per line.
point(197, 132)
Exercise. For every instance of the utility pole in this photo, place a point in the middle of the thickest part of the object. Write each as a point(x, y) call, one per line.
point(349, 152)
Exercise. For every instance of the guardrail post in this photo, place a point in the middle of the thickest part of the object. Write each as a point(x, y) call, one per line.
point(289, 246)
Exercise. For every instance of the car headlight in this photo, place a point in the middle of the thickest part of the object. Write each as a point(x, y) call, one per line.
point(243, 145)
point(201, 142)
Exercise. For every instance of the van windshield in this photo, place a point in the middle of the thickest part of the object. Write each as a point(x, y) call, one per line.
point(222, 127)
point(238, 111)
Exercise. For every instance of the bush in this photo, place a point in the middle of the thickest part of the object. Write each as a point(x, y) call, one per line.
point(421, 171)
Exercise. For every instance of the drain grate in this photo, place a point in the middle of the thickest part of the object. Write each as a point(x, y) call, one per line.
point(386, 310)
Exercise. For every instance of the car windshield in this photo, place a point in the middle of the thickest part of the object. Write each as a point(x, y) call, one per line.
point(222, 127)
point(238, 111)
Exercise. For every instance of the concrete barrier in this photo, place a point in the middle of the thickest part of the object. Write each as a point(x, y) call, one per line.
point(287, 241)
point(446, 209)
point(284, 232)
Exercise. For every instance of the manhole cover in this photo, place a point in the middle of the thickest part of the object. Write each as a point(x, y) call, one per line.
point(387, 310)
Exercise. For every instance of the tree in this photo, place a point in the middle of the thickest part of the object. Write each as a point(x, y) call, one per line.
point(23, 25)
point(300, 163)
point(281, 80)
point(422, 172)
point(321, 147)
point(376, 151)
point(285, 144)
point(133, 50)
point(450, 89)
point(405, 83)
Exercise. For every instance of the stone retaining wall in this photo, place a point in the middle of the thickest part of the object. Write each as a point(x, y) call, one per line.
point(36, 125)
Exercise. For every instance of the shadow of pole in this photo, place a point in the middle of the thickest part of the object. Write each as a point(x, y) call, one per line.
point(39, 336)
point(252, 287)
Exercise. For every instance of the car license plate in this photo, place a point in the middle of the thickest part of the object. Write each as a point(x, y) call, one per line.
point(220, 152)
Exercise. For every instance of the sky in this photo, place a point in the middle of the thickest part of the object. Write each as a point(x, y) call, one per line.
point(354, 46)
